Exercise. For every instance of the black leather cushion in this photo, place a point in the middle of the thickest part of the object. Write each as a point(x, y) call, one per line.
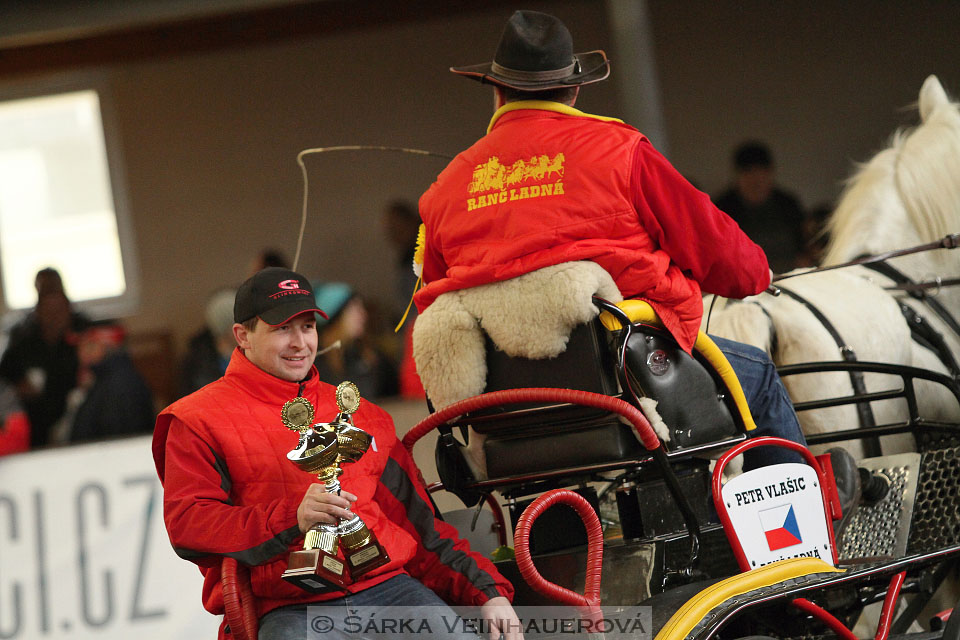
point(664, 605)
point(692, 399)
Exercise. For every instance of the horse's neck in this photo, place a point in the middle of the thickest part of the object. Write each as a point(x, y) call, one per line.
point(880, 225)
point(872, 228)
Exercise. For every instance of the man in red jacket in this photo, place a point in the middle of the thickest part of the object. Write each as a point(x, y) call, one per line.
point(229, 489)
point(551, 184)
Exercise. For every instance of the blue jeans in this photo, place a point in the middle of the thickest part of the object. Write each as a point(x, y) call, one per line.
point(420, 606)
point(768, 400)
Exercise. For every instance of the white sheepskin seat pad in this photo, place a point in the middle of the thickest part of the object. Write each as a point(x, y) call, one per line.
point(530, 316)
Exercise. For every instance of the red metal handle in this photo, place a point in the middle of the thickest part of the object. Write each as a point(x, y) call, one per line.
point(590, 600)
point(535, 394)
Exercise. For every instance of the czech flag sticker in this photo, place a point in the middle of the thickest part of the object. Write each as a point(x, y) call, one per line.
point(780, 527)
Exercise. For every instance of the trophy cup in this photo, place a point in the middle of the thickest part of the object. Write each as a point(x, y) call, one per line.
point(321, 449)
point(317, 567)
point(360, 546)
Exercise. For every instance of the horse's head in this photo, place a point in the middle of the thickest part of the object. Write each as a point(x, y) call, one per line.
point(907, 194)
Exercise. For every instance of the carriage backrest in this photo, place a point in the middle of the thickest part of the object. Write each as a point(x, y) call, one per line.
point(698, 398)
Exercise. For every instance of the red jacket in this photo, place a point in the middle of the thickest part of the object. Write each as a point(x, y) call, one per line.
point(229, 490)
point(550, 184)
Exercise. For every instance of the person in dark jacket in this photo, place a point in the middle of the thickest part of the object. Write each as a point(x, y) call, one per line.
point(40, 362)
point(771, 216)
point(117, 401)
point(345, 349)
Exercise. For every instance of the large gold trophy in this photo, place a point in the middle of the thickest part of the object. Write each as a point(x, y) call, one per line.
point(321, 449)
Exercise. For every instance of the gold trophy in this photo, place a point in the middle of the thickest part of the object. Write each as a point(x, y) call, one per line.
point(317, 567)
point(321, 449)
point(360, 546)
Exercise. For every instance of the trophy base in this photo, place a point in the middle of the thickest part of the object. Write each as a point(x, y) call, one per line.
point(366, 557)
point(315, 571)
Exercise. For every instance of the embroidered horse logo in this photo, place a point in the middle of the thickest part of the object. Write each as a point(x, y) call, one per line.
point(494, 175)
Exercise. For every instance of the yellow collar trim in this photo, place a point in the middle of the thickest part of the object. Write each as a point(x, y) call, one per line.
point(544, 105)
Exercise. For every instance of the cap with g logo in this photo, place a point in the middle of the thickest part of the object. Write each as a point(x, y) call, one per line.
point(274, 295)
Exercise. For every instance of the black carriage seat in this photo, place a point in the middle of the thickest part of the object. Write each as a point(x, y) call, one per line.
point(699, 397)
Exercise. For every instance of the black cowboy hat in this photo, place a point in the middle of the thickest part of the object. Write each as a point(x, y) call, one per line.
point(535, 53)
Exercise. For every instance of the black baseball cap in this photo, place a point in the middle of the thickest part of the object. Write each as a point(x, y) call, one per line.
point(274, 295)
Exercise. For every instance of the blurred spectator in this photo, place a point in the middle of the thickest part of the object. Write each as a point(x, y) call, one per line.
point(770, 216)
point(115, 399)
point(345, 351)
point(46, 281)
point(269, 258)
point(209, 349)
point(40, 360)
point(401, 224)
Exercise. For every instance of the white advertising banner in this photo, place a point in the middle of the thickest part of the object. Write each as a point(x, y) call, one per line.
point(83, 550)
point(777, 513)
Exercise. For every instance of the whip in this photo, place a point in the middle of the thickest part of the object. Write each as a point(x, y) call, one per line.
point(951, 241)
point(348, 147)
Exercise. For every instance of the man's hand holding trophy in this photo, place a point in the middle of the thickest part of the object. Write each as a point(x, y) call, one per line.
point(333, 555)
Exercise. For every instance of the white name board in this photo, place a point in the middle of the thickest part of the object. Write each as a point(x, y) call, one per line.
point(83, 550)
point(777, 513)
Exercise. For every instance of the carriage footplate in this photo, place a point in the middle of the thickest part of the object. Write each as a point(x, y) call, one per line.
point(883, 528)
point(936, 519)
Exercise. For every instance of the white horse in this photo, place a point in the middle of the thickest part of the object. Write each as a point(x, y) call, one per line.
point(907, 195)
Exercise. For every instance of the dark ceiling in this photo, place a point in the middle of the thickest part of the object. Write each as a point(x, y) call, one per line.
point(50, 36)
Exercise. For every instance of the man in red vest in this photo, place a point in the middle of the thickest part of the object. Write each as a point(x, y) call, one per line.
point(229, 489)
point(551, 184)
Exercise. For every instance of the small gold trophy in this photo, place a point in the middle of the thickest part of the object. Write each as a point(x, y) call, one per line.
point(321, 449)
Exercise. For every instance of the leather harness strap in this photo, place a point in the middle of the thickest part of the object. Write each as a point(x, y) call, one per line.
point(774, 340)
point(915, 287)
point(864, 410)
point(920, 329)
point(888, 270)
point(927, 337)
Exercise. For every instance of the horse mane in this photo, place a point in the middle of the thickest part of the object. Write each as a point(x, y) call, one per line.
point(906, 194)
